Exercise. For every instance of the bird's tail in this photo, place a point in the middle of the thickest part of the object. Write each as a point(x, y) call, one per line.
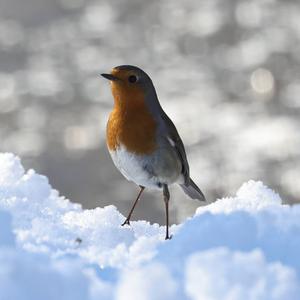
point(193, 191)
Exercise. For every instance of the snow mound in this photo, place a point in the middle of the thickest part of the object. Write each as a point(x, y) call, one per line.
point(222, 274)
point(252, 196)
point(244, 247)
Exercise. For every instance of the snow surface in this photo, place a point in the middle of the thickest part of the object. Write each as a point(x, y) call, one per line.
point(244, 247)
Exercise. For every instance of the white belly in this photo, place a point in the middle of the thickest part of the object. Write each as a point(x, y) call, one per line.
point(131, 167)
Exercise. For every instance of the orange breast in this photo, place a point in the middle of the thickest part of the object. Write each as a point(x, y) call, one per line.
point(130, 123)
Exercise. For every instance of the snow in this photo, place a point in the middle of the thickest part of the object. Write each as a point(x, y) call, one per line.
point(241, 247)
point(222, 274)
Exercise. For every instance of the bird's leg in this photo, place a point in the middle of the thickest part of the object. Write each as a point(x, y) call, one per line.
point(166, 200)
point(127, 221)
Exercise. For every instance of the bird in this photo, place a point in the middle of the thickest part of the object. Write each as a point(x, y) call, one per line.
point(143, 142)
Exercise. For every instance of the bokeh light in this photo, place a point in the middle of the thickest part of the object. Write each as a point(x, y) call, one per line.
point(226, 72)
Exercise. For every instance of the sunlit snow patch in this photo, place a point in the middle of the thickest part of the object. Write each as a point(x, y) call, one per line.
point(242, 247)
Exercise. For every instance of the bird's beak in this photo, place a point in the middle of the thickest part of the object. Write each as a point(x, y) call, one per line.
point(110, 77)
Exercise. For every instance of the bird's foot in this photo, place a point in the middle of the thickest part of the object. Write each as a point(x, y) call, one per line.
point(168, 237)
point(126, 222)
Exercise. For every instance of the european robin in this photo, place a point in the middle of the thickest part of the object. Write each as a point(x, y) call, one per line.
point(142, 140)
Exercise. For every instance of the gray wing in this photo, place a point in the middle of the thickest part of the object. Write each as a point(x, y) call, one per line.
point(171, 132)
point(189, 187)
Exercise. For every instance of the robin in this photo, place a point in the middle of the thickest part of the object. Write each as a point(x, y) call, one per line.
point(142, 140)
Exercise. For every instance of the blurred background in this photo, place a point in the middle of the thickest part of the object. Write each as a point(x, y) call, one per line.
point(226, 72)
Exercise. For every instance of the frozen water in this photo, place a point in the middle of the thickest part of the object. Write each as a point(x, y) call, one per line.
point(241, 247)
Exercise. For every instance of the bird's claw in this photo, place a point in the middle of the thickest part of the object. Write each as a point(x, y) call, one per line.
point(168, 237)
point(126, 222)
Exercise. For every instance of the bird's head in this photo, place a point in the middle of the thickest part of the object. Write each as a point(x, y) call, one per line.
point(129, 83)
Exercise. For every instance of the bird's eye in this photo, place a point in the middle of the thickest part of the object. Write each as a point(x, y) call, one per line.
point(132, 79)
